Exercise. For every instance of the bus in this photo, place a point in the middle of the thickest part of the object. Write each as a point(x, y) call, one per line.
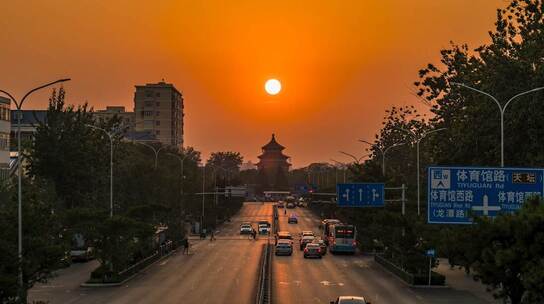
point(325, 225)
point(342, 238)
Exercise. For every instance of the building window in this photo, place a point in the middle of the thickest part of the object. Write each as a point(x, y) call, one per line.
point(148, 113)
point(158, 94)
point(148, 93)
point(4, 113)
point(4, 141)
point(158, 132)
point(158, 103)
point(157, 122)
point(158, 113)
point(149, 103)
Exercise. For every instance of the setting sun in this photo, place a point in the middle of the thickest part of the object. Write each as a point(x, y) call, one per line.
point(272, 86)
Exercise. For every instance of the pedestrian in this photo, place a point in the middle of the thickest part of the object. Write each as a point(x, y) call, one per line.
point(254, 234)
point(186, 246)
point(212, 236)
point(285, 211)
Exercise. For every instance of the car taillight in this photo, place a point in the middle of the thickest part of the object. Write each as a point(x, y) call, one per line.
point(318, 250)
point(354, 243)
point(305, 249)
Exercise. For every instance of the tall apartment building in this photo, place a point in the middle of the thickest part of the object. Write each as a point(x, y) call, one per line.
point(5, 127)
point(158, 107)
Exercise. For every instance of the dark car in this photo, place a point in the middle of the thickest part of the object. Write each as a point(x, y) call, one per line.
point(292, 219)
point(322, 245)
point(312, 250)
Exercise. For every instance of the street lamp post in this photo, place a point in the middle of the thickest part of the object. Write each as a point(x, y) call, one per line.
point(356, 159)
point(502, 108)
point(203, 195)
point(19, 106)
point(382, 151)
point(418, 170)
point(344, 166)
point(111, 164)
point(156, 151)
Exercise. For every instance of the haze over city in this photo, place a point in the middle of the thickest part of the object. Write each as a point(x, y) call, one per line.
point(272, 152)
point(341, 64)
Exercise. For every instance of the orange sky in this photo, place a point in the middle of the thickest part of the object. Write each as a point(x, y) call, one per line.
point(341, 63)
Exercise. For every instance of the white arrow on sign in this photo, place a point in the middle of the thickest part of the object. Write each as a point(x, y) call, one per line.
point(346, 195)
point(360, 195)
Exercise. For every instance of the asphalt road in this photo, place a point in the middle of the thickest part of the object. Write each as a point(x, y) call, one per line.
point(224, 271)
point(299, 280)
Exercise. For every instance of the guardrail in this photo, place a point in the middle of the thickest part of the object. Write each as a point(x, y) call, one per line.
point(264, 290)
point(160, 252)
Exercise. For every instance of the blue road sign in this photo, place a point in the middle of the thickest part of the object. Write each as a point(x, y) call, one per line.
point(456, 194)
point(430, 253)
point(360, 195)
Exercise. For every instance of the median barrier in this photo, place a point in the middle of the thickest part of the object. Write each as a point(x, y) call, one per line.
point(101, 277)
point(418, 280)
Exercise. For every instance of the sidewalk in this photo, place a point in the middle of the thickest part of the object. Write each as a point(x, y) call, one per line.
point(457, 279)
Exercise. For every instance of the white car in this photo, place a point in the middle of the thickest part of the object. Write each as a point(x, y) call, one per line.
point(350, 300)
point(307, 232)
point(246, 228)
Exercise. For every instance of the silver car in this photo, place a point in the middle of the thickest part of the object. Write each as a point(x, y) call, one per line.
point(284, 247)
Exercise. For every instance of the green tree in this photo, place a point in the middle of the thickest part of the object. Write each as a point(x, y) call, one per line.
point(72, 156)
point(510, 64)
point(230, 163)
point(44, 245)
point(510, 258)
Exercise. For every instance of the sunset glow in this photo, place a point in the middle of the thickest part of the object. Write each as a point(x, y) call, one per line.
point(341, 59)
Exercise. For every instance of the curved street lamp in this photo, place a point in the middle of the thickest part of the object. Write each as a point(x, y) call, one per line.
point(382, 151)
point(19, 106)
point(502, 108)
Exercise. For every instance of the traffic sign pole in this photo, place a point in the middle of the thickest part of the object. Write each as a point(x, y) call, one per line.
point(430, 273)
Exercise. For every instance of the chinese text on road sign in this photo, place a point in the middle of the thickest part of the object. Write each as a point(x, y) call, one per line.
point(456, 194)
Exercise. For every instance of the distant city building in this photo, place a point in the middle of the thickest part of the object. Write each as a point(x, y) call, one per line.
point(158, 108)
point(30, 120)
point(273, 167)
point(4, 137)
point(248, 166)
point(128, 120)
point(126, 117)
